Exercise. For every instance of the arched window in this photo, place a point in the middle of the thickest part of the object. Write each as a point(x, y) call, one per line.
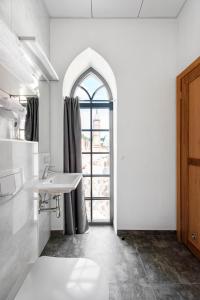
point(96, 117)
point(91, 86)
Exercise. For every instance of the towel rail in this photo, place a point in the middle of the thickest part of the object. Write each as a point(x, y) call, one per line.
point(11, 182)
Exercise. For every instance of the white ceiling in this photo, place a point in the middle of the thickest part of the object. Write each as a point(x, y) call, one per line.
point(114, 8)
point(161, 8)
point(68, 8)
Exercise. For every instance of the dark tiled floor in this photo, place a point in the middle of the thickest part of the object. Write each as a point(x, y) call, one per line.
point(144, 266)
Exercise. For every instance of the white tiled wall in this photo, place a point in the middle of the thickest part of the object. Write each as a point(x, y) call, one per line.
point(23, 232)
point(44, 217)
point(18, 216)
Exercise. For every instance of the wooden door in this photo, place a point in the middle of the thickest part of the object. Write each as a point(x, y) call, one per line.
point(189, 158)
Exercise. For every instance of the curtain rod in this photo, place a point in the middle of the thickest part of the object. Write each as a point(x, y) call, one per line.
point(3, 91)
point(25, 95)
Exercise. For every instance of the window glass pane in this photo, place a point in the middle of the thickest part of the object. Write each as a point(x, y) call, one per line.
point(91, 83)
point(87, 186)
point(81, 94)
point(100, 141)
point(86, 141)
point(85, 118)
point(101, 94)
point(101, 186)
point(99, 129)
point(101, 210)
point(100, 118)
point(101, 164)
point(86, 163)
point(88, 209)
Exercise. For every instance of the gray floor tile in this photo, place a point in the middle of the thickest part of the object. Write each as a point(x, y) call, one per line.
point(135, 263)
point(131, 292)
point(177, 292)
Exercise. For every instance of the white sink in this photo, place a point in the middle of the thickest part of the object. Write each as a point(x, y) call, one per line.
point(58, 183)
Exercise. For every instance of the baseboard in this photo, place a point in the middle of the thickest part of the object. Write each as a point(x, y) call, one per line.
point(194, 250)
point(145, 232)
point(57, 233)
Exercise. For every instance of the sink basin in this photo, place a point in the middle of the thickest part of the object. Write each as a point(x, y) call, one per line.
point(58, 183)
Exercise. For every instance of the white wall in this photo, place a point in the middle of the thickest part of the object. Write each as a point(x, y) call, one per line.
point(188, 34)
point(142, 55)
point(44, 117)
point(27, 18)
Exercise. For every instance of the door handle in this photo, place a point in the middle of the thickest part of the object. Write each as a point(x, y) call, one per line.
point(194, 236)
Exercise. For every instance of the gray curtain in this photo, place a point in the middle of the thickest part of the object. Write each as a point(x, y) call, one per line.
point(32, 120)
point(75, 209)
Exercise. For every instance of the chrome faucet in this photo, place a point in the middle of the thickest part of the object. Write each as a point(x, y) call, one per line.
point(46, 171)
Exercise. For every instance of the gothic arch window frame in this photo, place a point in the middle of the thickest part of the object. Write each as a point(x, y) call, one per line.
point(91, 104)
point(100, 77)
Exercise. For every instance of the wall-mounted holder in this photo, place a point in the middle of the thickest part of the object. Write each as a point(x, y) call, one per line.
point(11, 182)
point(45, 199)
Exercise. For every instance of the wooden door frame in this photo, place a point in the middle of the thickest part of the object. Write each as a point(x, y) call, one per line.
point(180, 218)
